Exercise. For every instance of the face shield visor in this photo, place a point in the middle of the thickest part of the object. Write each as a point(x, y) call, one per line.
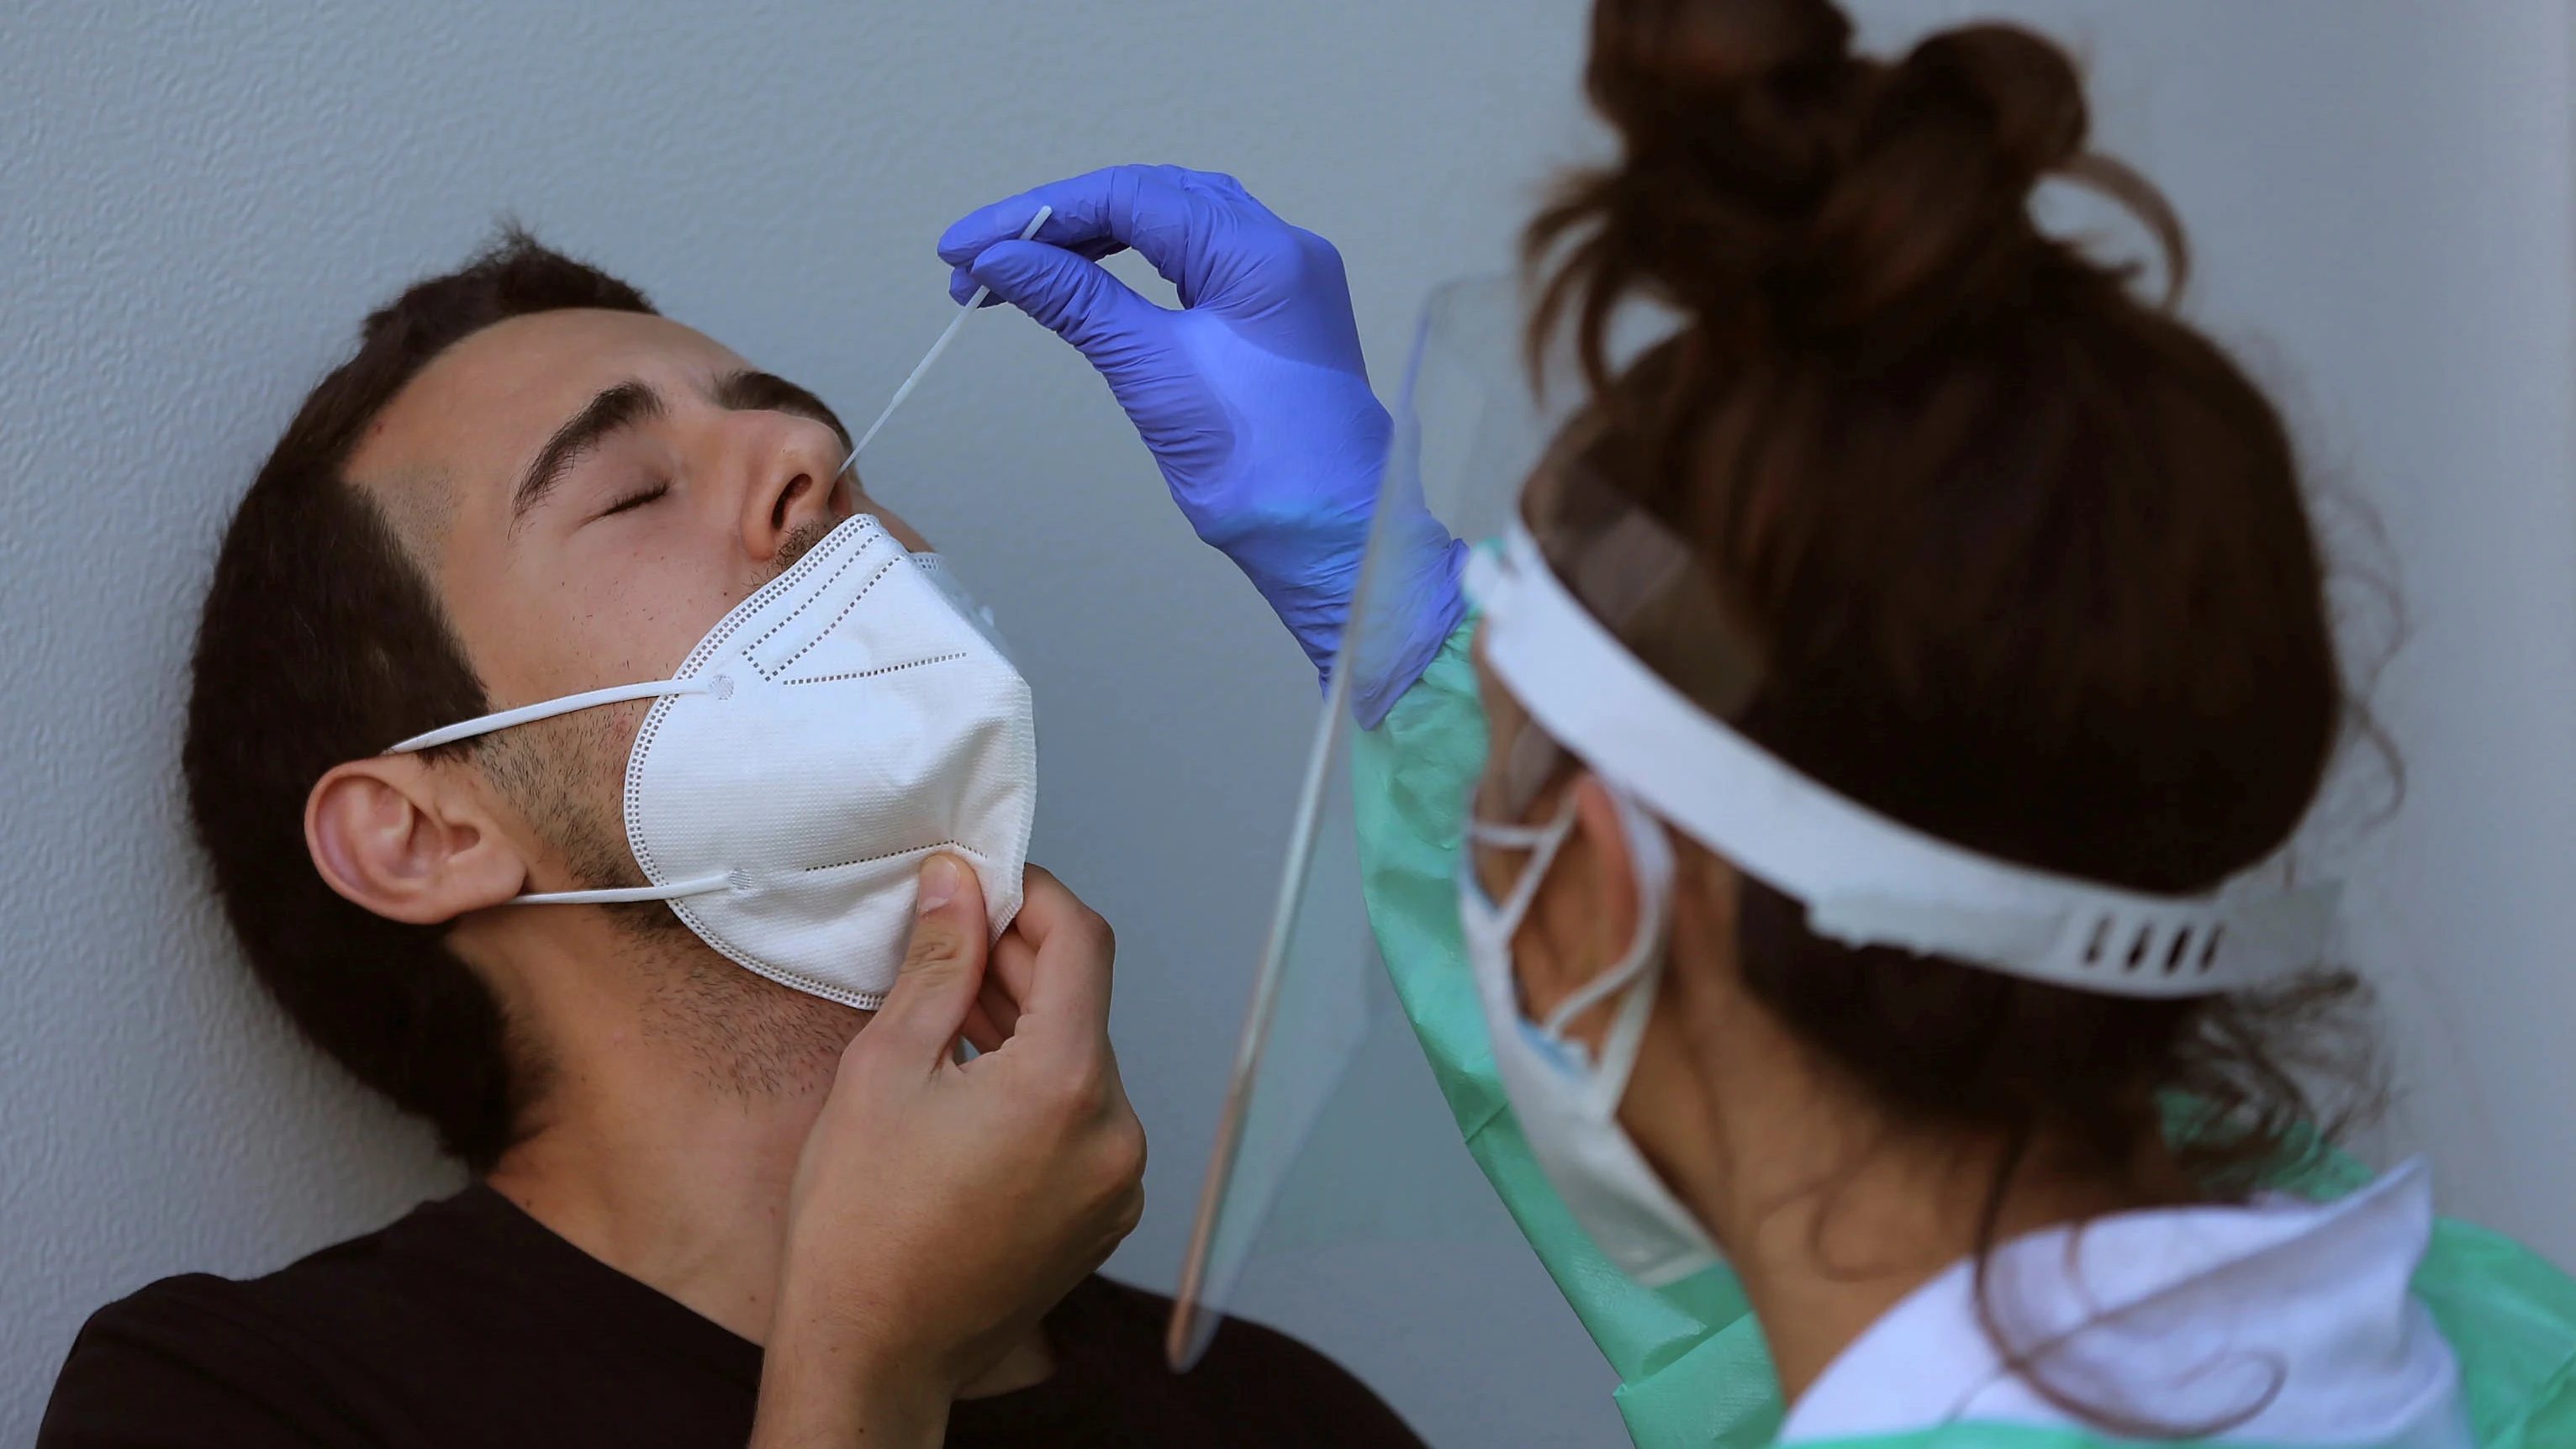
point(1602, 641)
point(1332, 1131)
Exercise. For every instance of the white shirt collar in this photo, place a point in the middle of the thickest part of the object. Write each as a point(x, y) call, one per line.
point(2284, 1321)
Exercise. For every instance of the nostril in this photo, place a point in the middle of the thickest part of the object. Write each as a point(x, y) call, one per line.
point(796, 488)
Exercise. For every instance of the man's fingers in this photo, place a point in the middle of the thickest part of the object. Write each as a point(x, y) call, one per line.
point(1009, 970)
point(979, 1030)
point(1000, 1010)
point(1069, 969)
point(1013, 964)
point(943, 967)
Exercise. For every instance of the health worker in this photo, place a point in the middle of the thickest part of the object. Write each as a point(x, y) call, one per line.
point(1838, 863)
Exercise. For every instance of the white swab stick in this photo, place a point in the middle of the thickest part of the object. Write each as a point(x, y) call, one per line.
point(936, 348)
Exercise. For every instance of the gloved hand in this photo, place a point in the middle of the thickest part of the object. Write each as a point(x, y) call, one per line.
point(1252, 397)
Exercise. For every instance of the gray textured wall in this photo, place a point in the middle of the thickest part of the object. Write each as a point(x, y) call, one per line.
point(197, 201)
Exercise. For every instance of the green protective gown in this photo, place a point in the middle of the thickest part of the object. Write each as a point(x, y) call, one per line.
point(1693, 1369)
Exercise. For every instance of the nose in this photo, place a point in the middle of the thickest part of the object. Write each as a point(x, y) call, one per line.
point(793, 469)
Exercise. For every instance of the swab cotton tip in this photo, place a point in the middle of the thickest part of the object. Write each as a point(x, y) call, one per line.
point(936, 348)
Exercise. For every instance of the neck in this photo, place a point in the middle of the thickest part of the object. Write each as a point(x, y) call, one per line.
point(677, 1091)
point(650, 1149)
point(692, 1203)
point(1829, 1210)
point(1828, 1248)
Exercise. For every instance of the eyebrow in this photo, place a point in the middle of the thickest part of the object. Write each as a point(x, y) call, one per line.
point(615, 409)
point(750, 391)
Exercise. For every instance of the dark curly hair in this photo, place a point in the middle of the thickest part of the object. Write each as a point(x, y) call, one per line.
point(322, 642)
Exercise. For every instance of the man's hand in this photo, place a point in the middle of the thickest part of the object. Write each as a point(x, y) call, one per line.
point(941, 1208)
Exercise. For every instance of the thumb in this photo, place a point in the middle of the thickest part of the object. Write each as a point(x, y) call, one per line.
point(943, 965)
point(1073, 297)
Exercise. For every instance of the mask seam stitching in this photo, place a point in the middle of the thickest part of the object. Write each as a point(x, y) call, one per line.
point(732, 625)
point(751, 649)
point(894, 855)
point(880, 669)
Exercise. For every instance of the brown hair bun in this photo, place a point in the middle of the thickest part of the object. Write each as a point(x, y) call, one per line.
point(1782, 186)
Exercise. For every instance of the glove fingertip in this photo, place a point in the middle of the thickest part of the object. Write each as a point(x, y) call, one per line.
point(1019, 271)
point(970, 234)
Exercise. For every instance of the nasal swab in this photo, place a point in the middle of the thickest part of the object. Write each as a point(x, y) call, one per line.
point(937, 348)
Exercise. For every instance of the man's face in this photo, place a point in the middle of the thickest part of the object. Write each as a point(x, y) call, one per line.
point(590, 491)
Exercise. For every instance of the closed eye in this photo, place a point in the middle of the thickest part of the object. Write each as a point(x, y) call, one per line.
point(637, 500)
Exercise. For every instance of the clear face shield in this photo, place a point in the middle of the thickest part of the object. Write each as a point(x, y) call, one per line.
point(1332, 1132)
point(1601, 639)
point(1639, 581)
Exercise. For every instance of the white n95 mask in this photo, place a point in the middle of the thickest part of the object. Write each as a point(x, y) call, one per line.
point(1568, 1106)
point(849, 719)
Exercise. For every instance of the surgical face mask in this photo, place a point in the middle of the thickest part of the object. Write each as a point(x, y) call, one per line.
point(850, 718)
point(1568, 1105)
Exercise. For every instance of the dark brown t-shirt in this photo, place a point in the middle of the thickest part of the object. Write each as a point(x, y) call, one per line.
point(469, 1323)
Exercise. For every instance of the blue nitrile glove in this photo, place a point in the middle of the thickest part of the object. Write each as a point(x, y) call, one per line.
point(1252, 397)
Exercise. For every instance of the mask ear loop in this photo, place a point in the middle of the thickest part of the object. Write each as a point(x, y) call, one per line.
point(1638, 972)
point(531, 713)
point(1542, 841)
point(698, 886)
point(1651, 865)
point(590, 699)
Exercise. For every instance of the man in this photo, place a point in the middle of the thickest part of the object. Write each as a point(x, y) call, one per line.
point(528, 485)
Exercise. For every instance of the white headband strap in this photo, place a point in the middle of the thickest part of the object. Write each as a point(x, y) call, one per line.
point(529, 713)
point(1865, 879)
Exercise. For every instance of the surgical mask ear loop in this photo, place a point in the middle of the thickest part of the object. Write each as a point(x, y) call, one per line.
point(530, 713)
point(1651, 864)
point(1640, 972)
point(1542, 841)
point(590, 699)
point(704, 885)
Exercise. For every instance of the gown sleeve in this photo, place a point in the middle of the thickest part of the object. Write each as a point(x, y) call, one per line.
point(1692, 1365)
point(2510, 1315)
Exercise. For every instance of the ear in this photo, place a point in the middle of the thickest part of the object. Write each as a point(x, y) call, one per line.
point(395, 836)
point(1586, 915)
point(1608, 867)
